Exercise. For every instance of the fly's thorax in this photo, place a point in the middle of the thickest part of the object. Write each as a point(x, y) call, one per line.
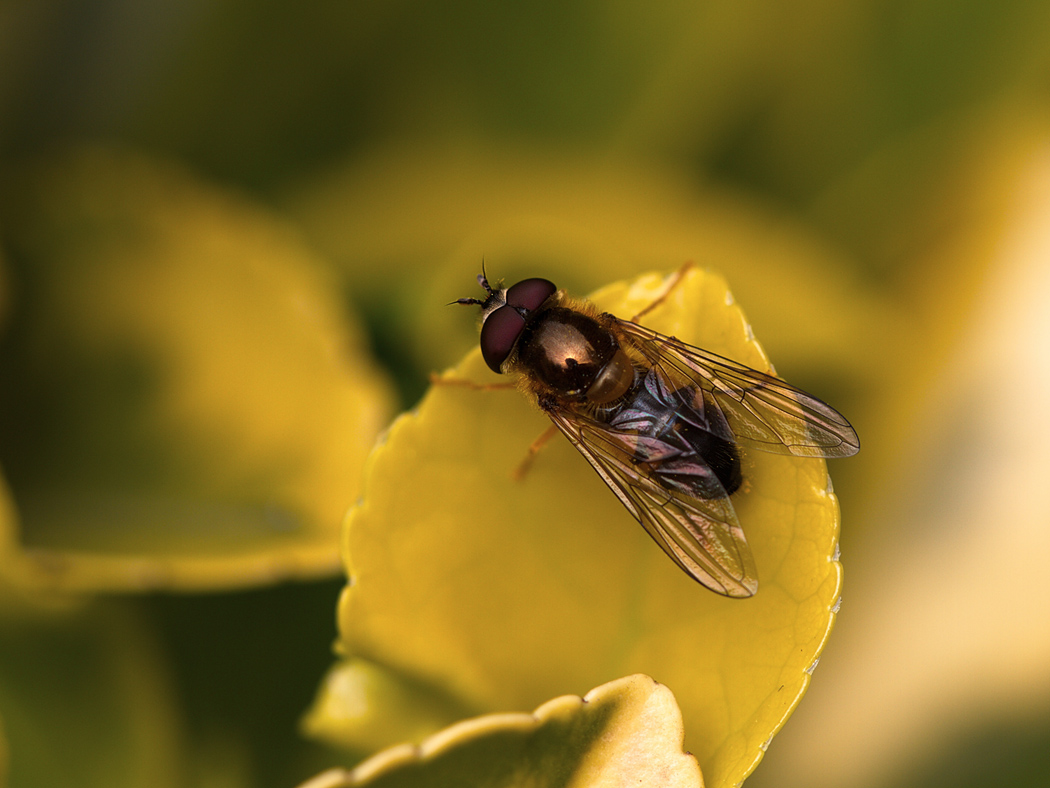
point(573, 355)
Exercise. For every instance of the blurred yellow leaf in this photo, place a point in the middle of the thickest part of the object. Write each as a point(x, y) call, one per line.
point(626, 732)
point(581, 222)
point(184, 401)
point(949, 594)
point(504, 593)
point(371, 706)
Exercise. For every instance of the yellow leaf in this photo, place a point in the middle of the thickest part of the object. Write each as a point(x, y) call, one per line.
point(626, 732)
point(504, 592)
point(370, 706)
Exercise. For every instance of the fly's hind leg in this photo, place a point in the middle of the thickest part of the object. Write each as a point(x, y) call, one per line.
point(675, 280)
point(534, 449)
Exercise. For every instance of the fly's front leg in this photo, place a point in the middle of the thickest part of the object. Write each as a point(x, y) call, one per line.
point(676, 279)
point(520, 472)
point(437, 379)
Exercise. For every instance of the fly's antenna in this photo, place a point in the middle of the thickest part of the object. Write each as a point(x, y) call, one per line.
point(483, 280)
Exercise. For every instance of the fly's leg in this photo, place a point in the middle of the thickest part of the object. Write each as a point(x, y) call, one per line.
point(522, 470)
point(534, 449)
point(676, 278)
point(437, 379)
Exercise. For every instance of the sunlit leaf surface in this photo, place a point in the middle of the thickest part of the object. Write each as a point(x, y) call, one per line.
point(626, 732)
point(504, 593)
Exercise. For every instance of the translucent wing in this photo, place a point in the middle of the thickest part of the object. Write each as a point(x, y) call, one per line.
point(701, 535)
point(762, 411)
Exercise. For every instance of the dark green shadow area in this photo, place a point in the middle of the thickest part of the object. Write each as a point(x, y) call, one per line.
point(1015, 755)
point(245, 666)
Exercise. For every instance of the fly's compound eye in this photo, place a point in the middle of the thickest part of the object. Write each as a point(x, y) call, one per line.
point(498, 335)
point(530, 293)
point(503, 326)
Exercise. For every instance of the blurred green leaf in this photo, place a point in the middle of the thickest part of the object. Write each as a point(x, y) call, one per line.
point(85, 701)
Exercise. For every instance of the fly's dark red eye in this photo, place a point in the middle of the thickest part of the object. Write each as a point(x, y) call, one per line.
point(503, 326)
point(499, 334)
point(530, 293)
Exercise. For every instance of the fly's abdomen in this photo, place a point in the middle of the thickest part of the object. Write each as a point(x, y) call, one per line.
point(680, 439)
point(718, 454)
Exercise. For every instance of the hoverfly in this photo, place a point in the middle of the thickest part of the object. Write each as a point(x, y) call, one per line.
point(662, 422)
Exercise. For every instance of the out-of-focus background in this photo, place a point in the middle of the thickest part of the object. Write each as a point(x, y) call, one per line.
point(229, 230)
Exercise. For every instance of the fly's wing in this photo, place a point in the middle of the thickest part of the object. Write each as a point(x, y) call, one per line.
point(701, 535)
point(762, 411)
